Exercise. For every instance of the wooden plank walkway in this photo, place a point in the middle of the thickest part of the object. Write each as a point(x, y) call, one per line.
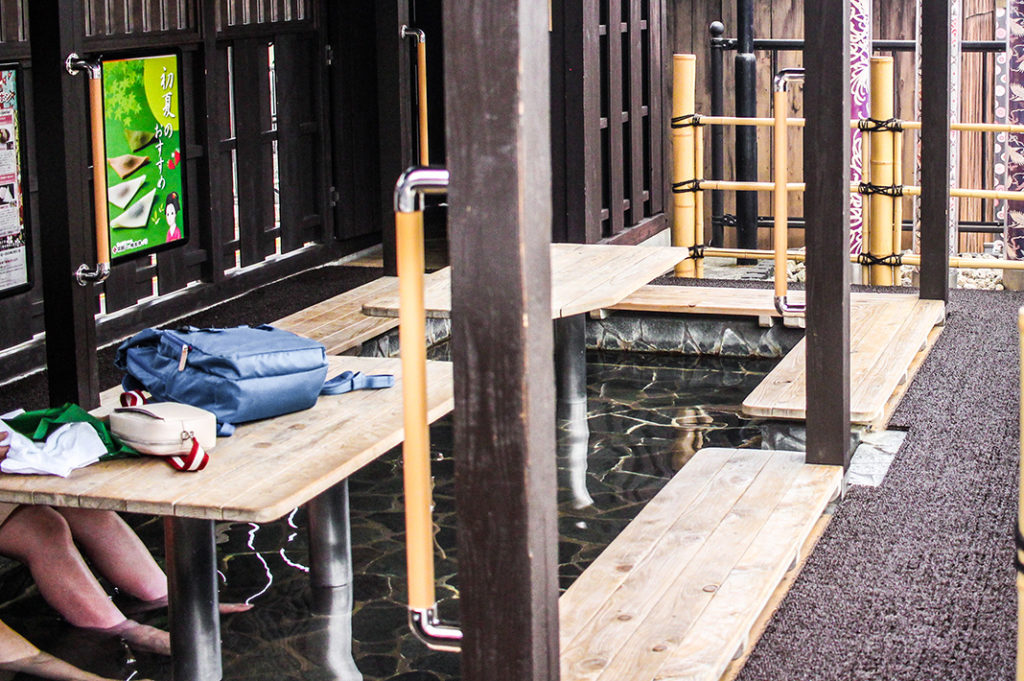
point(886, 334)
point(583, 278)
point(677, 593)
point(339, 322)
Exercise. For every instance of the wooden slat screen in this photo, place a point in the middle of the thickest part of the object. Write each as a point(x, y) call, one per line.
point(113, 18)
point(632, 129)
point(253, 12)
point(610, 128)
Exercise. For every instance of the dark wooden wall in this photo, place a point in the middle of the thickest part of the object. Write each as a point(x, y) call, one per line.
point(609, 128)
point(269, 133)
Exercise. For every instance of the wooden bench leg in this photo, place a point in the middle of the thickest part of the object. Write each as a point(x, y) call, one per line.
point(330, 543)
point(193, 599)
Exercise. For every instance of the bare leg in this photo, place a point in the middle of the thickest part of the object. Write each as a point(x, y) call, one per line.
point(40, 537)
point(116, 552)
point(120, 556)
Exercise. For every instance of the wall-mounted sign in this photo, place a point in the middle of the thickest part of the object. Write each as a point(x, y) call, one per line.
point(14, 251)
point(144, 149)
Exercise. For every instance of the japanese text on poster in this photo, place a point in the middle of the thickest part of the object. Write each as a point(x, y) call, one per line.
point(145, 183)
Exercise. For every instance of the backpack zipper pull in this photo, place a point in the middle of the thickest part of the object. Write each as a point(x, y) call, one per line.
point(184, 358)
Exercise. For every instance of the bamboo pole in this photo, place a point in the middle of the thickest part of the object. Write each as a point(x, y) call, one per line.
point(780, 235)
point(416, 447)
point(909, 259)
point(421, 91)
point(684, 95)
point(881, 206)
point(99, 171)
point(865, 164)
point(897, 207)
point(908, 190)
point(762, 122)
point(420, 37)
point(700, 237)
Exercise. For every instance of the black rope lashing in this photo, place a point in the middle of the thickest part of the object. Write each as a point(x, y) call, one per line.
point(893, 190)
point(687, 121)
point(894, 260)
point(876, 125)
point(696, 252)
point(686, 187)
point(1019, 541)
point(729, 220)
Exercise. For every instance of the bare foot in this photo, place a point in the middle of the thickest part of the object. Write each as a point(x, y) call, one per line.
point(230, 608)
point(145, 606)
point(143, 637)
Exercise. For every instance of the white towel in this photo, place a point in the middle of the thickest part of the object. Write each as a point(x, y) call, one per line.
point(71, 446)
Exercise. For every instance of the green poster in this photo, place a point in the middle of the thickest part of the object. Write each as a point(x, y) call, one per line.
point(145, 182)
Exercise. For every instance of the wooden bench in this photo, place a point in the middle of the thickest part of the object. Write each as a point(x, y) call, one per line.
point(339, 322)
point(583, 278)
point(889, 338)
point(676, 594)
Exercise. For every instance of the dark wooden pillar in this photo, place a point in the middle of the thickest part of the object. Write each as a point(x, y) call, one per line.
point(576, 124)
point(496, 69)
point(826, 207)
point(65, 218)
point(935, 117)
point(395, 113)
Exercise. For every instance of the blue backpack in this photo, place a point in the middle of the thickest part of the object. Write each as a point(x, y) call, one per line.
point(240, 374)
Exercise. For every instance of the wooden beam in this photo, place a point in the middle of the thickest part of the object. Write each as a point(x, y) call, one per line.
point(935, 159)
point(394, 88)
point(66, 222)
point(826, 207)
point(500, 221)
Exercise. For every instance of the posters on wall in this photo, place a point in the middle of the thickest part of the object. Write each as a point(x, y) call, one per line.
point(860, 87)
point(14, 269)
point(145, 172)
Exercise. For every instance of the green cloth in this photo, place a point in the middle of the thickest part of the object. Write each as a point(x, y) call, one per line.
point(38, 425)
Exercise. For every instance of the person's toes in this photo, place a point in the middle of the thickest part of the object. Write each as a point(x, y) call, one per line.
point(230, 608)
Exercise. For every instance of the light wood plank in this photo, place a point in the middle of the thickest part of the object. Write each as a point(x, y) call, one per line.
point(721, 301)
point(723, 627)
point(891, 368)
point(886, 334)
point(584, 277)
point(664, 532)
point(264, 470)
point(339, 322)
point(628, 636)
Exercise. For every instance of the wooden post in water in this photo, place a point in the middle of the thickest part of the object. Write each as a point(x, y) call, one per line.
point(500, 224)
point(684, 77)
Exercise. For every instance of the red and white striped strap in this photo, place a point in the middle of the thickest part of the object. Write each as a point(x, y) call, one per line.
point(133, 398)
point(195, 460)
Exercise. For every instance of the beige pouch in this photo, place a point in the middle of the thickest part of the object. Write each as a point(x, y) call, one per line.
point(164, 428)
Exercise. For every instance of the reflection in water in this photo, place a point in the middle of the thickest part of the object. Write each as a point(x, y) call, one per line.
point(646, 415)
